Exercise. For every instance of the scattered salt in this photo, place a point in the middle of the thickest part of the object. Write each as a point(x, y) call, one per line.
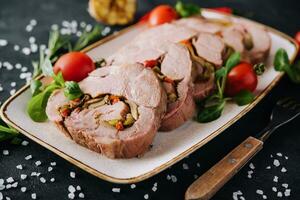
point(14, 185)
point(50, 169)
point(275, 179)
point(1, 181)
point(23, 189)
point(279, 194)
point(8, 186)
point(259, 192)
point(43, 180)
point(9, 180)
point(185, 166)
point(116, 190)
point(52, 180)
point(12, 92)
point(132, 186)
point(24, 143)
point(33, 22)
point(251, 166)
point(285, 185)
point(173, 178)
point(81, 195)
point(3, 42)
point(268, 167)
point(286, 157)
point(274, 189)
point(33, 195)
point(264, 196)
point(16, 47)
point(1, 196)
point(72, 174)
point(146, 196)
point(71, 189)
point(276, 163)
point(38, 163)
point(26, 51)
point(53, 163)
point(31, 39)
point(287, 192)
point(283, 170)
point(78, 187)
point(28, 157)
point(19, 167)
point(5, 152)
point(23, 176)
point(279, 154)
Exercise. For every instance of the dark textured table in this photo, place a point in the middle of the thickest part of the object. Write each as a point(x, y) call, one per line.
point(283, 15)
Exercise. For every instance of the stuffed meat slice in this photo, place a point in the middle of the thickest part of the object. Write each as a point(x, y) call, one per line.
point(119, 113)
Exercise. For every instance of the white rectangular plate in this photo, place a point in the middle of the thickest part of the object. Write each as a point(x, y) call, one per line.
point(168, 148)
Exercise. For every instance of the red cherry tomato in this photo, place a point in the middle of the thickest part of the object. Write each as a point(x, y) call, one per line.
point(241, 77)
point(225, 10)
point(162, 14)
point(297, 38)
point(74, 66)
point(145, 18)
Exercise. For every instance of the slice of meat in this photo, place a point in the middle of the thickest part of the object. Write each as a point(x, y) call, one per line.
point(177, 65)
point(200, 25)
point(88, 126)
point(210, 47)
point(260, 38)
point(233, 36)
point(203, 89)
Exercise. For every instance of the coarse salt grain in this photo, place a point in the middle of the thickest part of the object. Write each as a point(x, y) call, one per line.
point(3, 42)
point(275, 179)
point(33, 22)
point(38, 163)
point(173, 178)
point(81, 195)
point(249, 176)
point(251, 166)
point(2, 187)
point(264, 197)
point(132, 186)
point(33, 195)
point(24, 143)
point(54, 27)
point(88, 27)
point(259, 192)
point(18, 66)
point(185, 166)
point(78, 187)
point(117, 190)
point(16, 47)
point(1, 196)
point(279, 154)
point(198, 164)
point(7, 198)
point(274, 189)
point(31, 39)
point(14, 185)
point(23, 189)
point(19, 167)
point(13, 84)
point(1, 181)
point(82, 24)
point(285, 185)
point(33, 174)
point(71, 195)
point(23, 176)
point(52, 180)
point(5, 152)
point(9, 180)
point(72, 174)
point(24, 69)
point(276, 163)
point(279, 194)
point(71, 189)
point(286, 157)
point(283, 170)
point(53, 163)
point(8, 186)
point(26, 51)
point(28, 157)
point(268, 167)
point(50, 169)
point(43, 180)
point(33, 48)
point(195, 176)
point(12, 92)
point(146, 196)
point(287, 192)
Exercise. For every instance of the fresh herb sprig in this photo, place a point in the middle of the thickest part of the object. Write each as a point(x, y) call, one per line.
point(282, 64)
point(7, 133)
point(187, 9)
point(214, 105)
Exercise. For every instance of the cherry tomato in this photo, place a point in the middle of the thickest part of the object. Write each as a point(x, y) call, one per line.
point(225, 10)
point(145, 18)
point(162, 14)
point(297, 38)
point(241, 77)
point(74, 66)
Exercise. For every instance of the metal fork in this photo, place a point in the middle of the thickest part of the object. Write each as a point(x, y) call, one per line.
point(214, 179)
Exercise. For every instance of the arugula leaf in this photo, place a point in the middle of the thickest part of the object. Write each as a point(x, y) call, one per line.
point(244, 97)
point(293, 71)
point(36, 107)
point(233, 60)
point(281, 60)
point(212, 112)
point(187, 9)
point(35, 87)
point(72, 90)
point(59, 80)
point(88, 37)
point(220, 73)
point(7, 133)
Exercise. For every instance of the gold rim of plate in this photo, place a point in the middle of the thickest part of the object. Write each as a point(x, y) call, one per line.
point(162, 167)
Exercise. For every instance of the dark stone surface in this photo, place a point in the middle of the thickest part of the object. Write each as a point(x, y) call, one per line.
point(283, 15)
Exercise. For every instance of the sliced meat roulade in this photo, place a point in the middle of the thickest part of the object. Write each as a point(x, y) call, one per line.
point(119, 113)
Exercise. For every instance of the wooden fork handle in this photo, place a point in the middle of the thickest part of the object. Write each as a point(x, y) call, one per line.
point(212, 180)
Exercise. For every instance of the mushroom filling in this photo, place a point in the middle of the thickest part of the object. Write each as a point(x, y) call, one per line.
point(110, 109)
